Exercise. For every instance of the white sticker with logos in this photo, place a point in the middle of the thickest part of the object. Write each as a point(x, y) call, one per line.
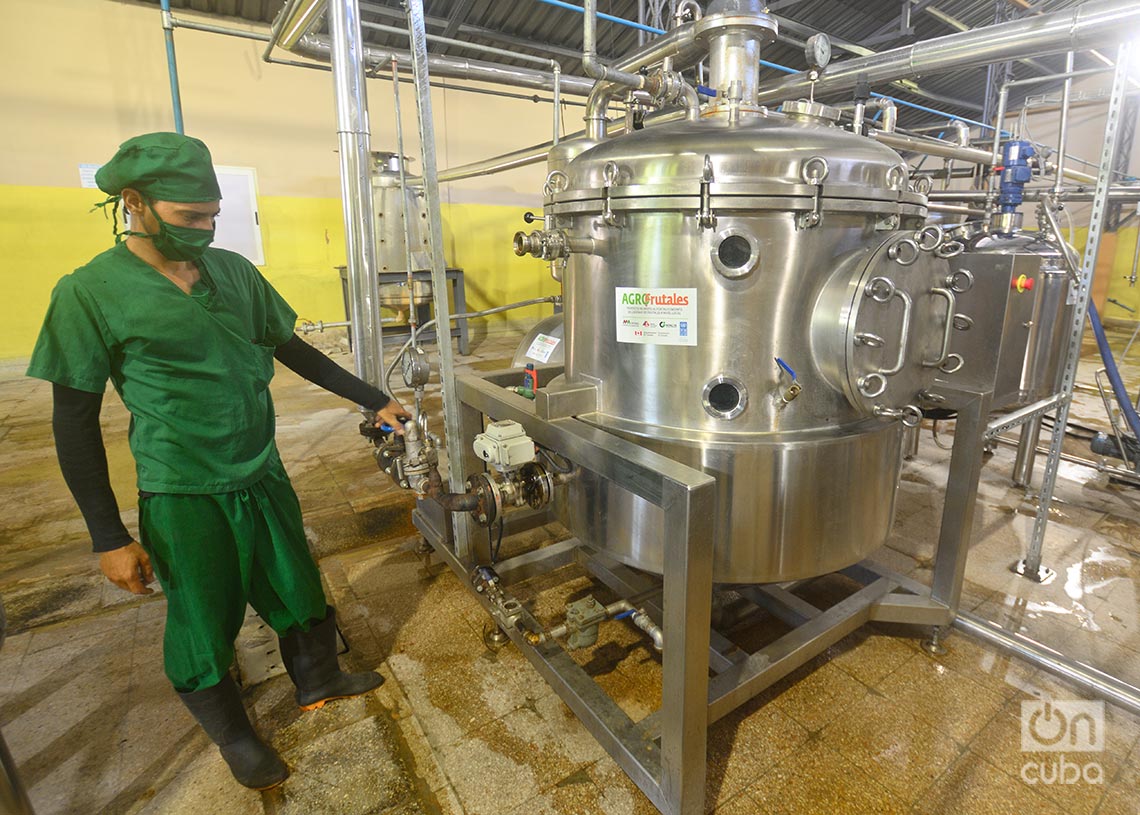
point(657, 316)
point(542, 348)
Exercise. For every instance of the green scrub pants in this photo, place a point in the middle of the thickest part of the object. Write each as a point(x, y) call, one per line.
point(215, 553)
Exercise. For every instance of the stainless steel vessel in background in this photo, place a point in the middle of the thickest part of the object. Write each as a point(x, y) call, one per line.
point(752, 293)
point(390, 206)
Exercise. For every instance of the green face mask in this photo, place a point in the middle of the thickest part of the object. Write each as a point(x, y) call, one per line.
point(180, 242)
point(174, 242)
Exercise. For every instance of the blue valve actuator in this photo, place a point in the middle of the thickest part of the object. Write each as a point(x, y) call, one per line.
point(1016, 172)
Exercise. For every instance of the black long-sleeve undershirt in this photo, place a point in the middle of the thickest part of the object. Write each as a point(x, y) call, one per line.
point(305, 360)
point(83, 457)
point(83, 460)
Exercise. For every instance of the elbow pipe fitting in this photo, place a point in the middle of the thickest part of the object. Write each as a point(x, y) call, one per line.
point(451, 501)
point(590, 62)
point(890, 114)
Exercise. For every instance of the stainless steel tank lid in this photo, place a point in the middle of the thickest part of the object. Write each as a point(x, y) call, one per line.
point(802, 108)
point(760, 156)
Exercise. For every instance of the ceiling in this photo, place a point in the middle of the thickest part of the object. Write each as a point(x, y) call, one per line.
point(531, 26)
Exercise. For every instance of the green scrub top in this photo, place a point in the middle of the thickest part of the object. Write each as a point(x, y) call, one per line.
point(192, 369)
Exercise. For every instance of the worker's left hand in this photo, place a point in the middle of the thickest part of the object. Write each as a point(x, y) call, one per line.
point(393, 414)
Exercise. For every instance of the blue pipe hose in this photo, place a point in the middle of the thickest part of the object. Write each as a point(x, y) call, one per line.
point(1130, 416)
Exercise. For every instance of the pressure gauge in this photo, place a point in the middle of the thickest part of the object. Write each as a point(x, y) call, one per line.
point(415, 367)
point(818, 51)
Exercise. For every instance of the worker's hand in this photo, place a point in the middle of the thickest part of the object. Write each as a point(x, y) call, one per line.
point(393, 414)
point(128, 567)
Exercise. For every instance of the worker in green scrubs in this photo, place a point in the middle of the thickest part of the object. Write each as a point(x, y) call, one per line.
point(188, 335)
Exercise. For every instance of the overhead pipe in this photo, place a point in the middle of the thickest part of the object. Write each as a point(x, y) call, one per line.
point(1093, 23)
point(593, 66)
point(296, 19)
point(930, 147)
point(316, 46)
point(473, 46)
point(1118, 193)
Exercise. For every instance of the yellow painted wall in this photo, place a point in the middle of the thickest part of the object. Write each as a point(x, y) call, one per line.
point(78, 77)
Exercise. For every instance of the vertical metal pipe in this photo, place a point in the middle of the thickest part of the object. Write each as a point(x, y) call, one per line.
point(557, 101)
point(347, 56)
point(1032, 564)
point(1063, 134)
point(407, 214)
point(172, 66)
point(995, 155)
point(457, 476)
point(1026, 453)
point(910, 442)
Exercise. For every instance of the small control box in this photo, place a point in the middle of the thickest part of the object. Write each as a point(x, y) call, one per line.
point(504, 445)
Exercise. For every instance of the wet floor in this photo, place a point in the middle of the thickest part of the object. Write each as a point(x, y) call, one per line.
point(874, 725)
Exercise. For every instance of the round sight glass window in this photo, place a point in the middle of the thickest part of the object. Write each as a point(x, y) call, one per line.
point(724, 397)
point(735, 254)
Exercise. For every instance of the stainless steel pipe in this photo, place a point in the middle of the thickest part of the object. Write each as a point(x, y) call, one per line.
point(1091, 24)
point(317, 47)
point(297, 17)
point(930, 147)
point(1115, 194)
point(593, 66)
point(1063, 126)
point(347, 56)
point(1042, 656)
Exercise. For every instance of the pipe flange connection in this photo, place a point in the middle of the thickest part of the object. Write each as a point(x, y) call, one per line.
point(930, 237)
point(537, 485)
point(904, 252)
point(960, 281)
point(490, 505)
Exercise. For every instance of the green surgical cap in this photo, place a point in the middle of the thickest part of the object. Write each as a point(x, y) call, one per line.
point(163, 167)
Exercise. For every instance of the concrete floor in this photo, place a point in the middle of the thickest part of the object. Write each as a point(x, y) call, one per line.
point(875, 725)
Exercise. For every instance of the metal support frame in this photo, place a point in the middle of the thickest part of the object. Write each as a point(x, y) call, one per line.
point(456, 471)
point(1031, 566)
point(665, 753)
point(1117, 214)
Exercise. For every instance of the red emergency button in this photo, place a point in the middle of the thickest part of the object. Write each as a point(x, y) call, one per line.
point(1022, 283)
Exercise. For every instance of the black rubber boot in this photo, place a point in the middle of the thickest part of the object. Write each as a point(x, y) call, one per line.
point(222, 715)
point(310, 659)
